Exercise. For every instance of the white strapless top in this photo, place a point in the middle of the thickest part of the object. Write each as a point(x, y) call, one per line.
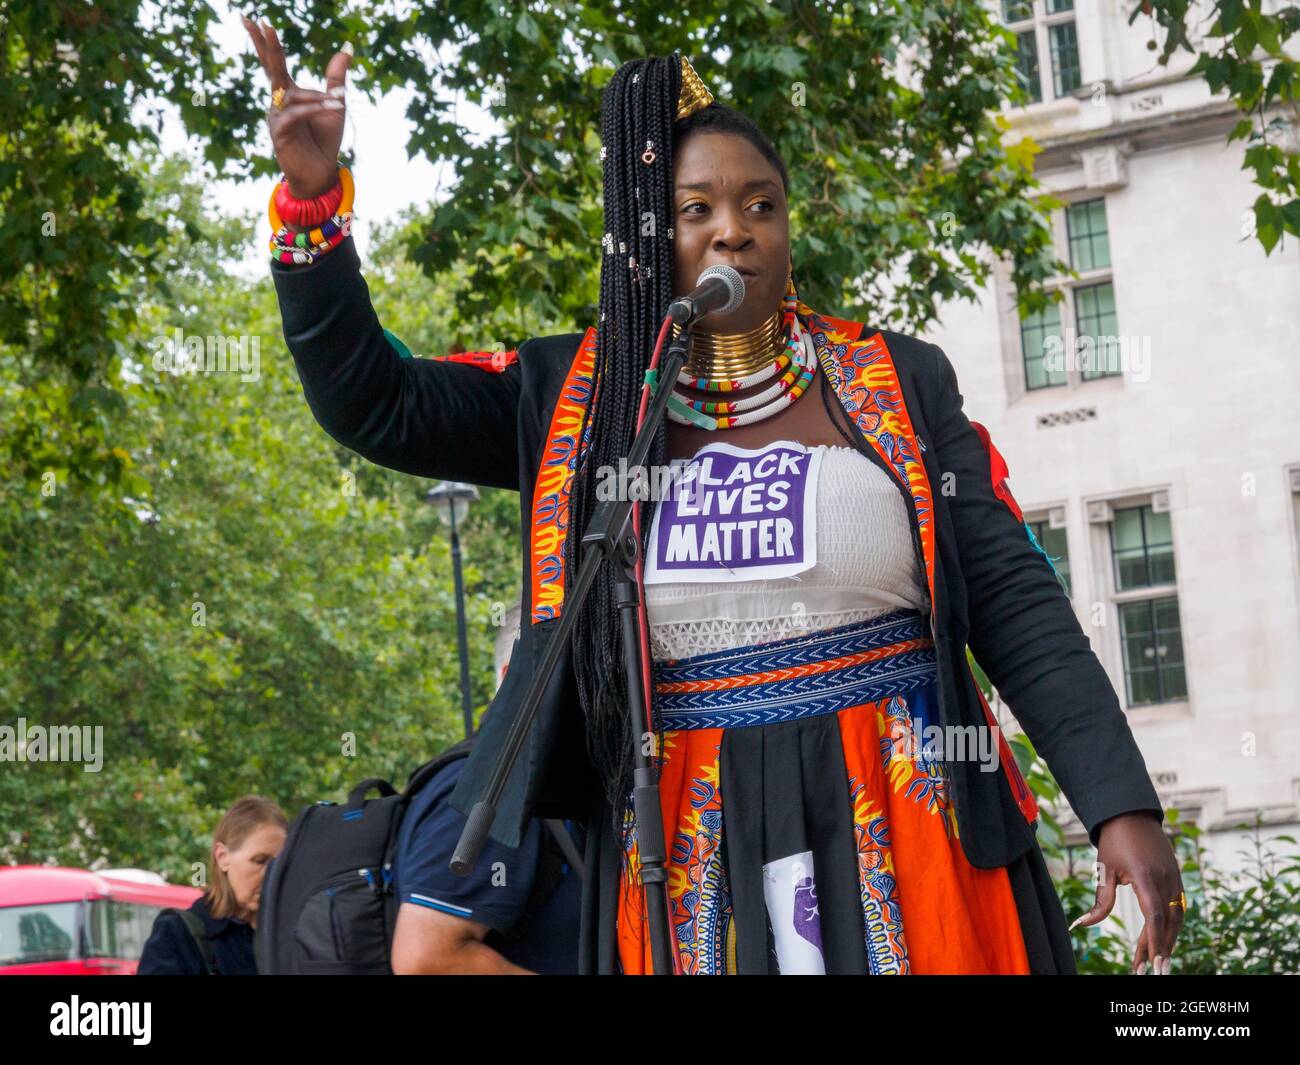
point(865, 566)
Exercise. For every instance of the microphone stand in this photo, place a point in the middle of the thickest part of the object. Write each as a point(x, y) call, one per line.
point(610, 532)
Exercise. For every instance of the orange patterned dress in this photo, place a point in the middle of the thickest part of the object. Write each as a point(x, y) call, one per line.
point(809, 820)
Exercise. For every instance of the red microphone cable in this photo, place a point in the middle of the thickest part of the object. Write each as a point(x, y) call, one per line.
point(640, 580)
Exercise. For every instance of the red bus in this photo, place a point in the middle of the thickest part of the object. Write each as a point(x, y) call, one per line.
point(57, 922)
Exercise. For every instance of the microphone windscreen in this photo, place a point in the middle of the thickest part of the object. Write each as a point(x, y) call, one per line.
point(734, 282)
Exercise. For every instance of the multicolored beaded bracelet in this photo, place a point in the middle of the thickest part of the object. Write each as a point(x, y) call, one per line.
point(301, 248)
point(309, 212)
point(304, 238)
point(344, 204)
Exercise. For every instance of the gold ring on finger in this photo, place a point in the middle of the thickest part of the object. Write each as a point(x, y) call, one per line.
point(1181, 901)
point(277, 99)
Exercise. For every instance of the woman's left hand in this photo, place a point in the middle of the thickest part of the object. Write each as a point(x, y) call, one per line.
point(1132, 849)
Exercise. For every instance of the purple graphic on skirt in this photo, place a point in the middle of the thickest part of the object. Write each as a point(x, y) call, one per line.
point(807, 921)
point(738, 514)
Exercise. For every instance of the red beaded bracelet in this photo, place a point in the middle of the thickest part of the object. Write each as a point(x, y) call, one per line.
point(311, 212)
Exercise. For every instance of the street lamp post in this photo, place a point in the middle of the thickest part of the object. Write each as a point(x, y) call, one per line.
point(452, 500)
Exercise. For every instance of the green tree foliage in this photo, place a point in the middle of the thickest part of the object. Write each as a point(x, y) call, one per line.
point(887, 111)
point(77, 82)
point(887, 175)
point(1244, 50)
point(265, 612)
point(1245, 922)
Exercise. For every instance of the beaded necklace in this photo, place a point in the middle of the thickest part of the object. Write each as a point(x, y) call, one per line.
point(796, 364)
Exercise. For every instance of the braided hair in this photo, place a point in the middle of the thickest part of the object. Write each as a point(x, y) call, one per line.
point(638, 117)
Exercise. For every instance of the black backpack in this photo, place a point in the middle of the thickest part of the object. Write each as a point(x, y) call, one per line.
point(328, 902)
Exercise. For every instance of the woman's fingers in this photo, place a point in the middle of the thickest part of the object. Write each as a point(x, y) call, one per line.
point(270, 54)
point(1171, 919)
point(336, 73)
point(259, 45)
point(1103, 900)
point(1156, 929)
point(292, 117)
point(298, 95)
point(1176, 917)
point(1142, 955)
point(279, 67)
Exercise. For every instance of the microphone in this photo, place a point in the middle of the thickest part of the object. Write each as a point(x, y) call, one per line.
point(719, 288)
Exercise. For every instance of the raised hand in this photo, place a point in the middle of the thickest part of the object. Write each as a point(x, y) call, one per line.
point(307, 128)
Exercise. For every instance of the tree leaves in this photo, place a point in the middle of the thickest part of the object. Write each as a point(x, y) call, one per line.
point(885, 175)
point(1226, 59)
point(259, 595)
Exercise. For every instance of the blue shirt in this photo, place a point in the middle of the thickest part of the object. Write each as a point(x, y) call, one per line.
point(171, 950)
point(496, 892)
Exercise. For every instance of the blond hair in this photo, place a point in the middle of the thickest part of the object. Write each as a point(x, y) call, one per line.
point(245, 816)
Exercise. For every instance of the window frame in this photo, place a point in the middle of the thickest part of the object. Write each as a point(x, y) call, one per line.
point(1141, 508)
point(1068, 287)
point(1041, 21)
point(1113, 599)
point(1150, 601)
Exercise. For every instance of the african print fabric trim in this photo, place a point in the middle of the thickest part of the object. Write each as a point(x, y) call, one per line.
point(554, 478)
point(824, 841)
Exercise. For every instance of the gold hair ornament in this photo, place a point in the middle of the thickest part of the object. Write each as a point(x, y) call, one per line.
point(694, 94)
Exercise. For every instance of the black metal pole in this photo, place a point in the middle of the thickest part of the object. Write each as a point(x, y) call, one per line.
point(652, 850)
point(462, 638)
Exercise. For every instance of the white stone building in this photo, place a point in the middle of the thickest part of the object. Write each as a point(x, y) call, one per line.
point(1170, 488)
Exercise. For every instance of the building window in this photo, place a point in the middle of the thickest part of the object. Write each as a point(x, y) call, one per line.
point(1053, 541)
point(1044, 27)
point(1094, 305)
point(1065, 58)
point(1035, 329)
point(1142, 546)
point(1085, 225)
point(1153, 651)
point(1091, 346)
point(1146, 600)
point(1094, 318)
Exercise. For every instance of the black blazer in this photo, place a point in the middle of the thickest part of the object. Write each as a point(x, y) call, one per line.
point(993, 590)
point(171, 950)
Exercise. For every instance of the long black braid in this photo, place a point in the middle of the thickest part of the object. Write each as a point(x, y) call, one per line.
point(638, 111)
point(638, 106)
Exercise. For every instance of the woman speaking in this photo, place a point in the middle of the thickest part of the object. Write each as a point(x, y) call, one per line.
point(836, 796)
